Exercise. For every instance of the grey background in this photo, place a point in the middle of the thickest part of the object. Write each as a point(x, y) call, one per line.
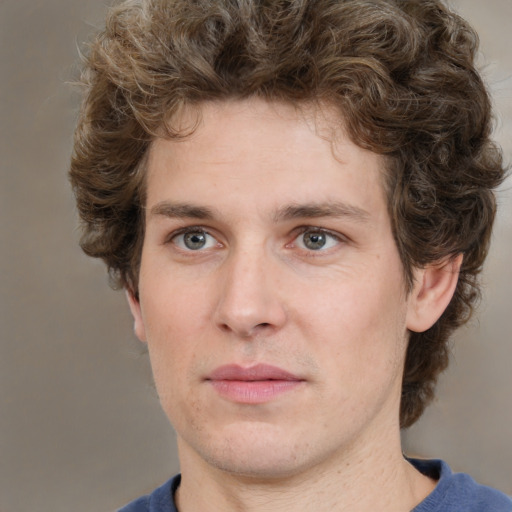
point(80, 424)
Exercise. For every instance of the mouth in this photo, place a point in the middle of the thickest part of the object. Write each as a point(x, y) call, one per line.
point(253, 385)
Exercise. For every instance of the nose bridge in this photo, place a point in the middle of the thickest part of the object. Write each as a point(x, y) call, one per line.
point(248, 297)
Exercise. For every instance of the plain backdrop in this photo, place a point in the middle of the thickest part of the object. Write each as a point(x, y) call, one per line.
point(80, 424)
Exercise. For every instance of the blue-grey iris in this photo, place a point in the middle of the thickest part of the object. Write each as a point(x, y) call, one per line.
point(194, 240)
point(314, 240)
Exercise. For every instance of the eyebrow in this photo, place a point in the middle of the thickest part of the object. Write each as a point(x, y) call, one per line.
point(315, 210)
point(181, 210)
point(289, 212)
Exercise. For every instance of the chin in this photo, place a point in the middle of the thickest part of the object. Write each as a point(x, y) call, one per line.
point(258, 452)
point(258, 465)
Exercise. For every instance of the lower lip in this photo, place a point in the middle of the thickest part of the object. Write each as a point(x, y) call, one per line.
point(253, 392)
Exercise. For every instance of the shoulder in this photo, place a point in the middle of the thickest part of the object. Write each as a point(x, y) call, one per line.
point(458, 492)
point(160, 500)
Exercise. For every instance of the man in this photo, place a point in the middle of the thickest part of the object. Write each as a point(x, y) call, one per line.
point(297, 197)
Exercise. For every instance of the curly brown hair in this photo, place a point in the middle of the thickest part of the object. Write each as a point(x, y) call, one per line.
point(401, 72)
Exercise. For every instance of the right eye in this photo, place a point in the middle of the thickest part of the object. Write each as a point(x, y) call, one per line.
point(194, 240)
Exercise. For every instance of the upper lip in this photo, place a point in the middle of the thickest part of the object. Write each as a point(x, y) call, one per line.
point(251, 373)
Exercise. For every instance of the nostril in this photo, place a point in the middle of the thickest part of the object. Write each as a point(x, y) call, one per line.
point(224, 327)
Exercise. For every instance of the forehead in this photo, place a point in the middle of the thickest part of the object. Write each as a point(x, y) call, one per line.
point(192, 123)
point(262, 152)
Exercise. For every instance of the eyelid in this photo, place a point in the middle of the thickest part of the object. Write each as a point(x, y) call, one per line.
point(170, 239)
point(300, 231)
point(296, 233)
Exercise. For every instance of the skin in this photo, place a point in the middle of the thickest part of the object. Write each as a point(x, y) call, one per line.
point(258, 182)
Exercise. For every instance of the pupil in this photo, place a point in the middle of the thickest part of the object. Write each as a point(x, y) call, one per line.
point(314, 240)
point(195, 240)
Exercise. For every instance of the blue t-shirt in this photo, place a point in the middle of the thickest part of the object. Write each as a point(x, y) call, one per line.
point(454, 492)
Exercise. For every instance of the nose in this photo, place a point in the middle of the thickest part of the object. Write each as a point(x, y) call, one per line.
point(249, 301)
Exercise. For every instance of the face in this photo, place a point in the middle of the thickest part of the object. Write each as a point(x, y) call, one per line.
point(271, 293)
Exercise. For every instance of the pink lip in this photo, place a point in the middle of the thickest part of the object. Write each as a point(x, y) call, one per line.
point(254, 385)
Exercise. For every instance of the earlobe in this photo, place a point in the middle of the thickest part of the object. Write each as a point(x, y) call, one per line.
point(138, 323)
point(433, 290)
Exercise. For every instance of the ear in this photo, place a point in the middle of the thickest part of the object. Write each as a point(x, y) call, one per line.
point(432, 292)
point(138, 322)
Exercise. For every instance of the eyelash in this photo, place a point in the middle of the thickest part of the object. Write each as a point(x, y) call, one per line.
point(298, 232)
point(316, 231)
point(189, 230)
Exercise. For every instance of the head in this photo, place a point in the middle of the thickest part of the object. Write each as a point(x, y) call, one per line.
point(400, 76)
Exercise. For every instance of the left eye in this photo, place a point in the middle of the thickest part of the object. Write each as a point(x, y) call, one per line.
point(316, 240)
point(195, 240)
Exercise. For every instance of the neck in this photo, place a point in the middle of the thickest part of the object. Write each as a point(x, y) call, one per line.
point(374, 476)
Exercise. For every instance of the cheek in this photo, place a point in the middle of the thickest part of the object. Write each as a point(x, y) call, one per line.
point(361, 329)
point(170, 320)
point(171, 307)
